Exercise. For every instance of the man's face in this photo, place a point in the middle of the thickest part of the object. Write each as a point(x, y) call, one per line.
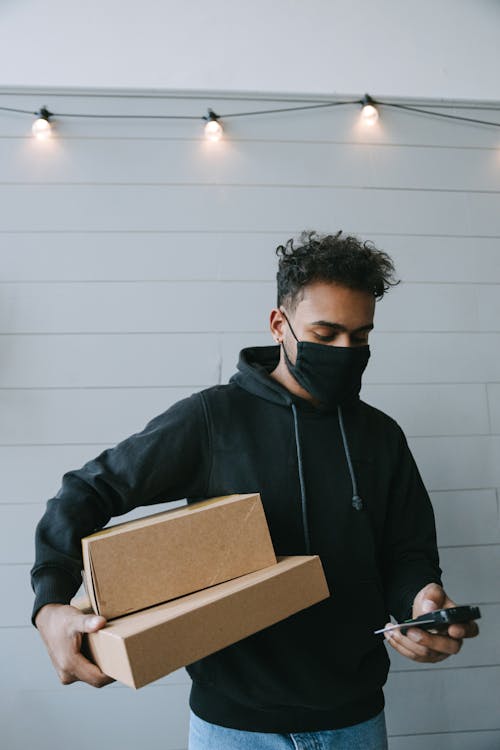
point(329, 314)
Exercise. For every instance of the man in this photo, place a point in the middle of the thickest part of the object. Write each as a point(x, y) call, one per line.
point(336, 478)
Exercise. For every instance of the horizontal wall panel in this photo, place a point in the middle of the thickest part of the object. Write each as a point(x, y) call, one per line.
point(333, 124)
point(197, 306)
point(364, 210)
point(405, 357)
point(442, 700)
point(483, 210)
point(489, 306)
point(253, 162)
point(494, 406)
point(190, 359)
point(483, 649)
point(470, 576)
point(47, 464)
point(412, 307)
point(135, 307)
point(81, 416)
point(16, 589)
point(196, 161)
point(173, 359)
point(466, 517)
point(244, 256)
point(121, 256)
point(125, 717)
point(443, 259)
point(449, 463)
point(437, 409)
point(96, 415)
point(434, 168)
point(433, 358)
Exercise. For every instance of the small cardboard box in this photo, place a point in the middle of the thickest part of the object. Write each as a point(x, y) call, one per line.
point(142, 647)
point(141, 563)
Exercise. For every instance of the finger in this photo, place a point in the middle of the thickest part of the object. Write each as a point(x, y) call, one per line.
point(435, 642)
point(463, 630)
point(84, 670)
point(416, 651)
point(426, 656)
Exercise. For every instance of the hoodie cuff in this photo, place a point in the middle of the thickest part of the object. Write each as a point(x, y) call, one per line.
point(52, 586)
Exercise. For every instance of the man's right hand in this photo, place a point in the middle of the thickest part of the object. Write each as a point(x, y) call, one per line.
point(61, 627)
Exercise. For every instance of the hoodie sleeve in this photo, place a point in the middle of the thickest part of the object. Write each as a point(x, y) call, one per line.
point(411, 558)
point(168, 460)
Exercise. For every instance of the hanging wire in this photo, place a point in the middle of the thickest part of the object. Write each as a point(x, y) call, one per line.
point(440, 114)
point(253, 113)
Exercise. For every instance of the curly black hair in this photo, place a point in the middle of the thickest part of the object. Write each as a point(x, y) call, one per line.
point(344, 260)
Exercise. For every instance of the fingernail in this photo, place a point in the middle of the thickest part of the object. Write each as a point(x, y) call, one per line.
point(414, 635)
point(95, 621)
point(428, 605)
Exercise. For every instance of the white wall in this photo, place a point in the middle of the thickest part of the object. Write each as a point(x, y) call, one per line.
point(137, 259)
point(388, 47)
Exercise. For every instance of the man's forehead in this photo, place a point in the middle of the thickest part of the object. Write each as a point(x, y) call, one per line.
point(322, 301)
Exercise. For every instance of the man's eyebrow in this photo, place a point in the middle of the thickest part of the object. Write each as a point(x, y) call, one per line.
point(340, 327)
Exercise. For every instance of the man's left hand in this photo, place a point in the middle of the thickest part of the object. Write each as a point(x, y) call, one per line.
point(421, 645)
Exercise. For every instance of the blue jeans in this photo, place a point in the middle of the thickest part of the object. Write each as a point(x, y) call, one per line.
point(368, 735)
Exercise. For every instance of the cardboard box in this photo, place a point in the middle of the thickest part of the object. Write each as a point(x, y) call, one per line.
point(141, 563)
point(142, 647)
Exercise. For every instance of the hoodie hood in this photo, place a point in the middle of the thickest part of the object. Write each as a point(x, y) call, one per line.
point(255, 363)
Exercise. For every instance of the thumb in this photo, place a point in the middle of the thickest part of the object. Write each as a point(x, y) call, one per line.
point(433, 598)
point(90, 623)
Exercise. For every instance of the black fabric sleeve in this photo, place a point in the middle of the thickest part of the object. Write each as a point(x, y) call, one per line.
point(170, 459)
point(411, 558)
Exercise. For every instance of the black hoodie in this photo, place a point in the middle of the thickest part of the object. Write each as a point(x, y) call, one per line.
point(339, 483)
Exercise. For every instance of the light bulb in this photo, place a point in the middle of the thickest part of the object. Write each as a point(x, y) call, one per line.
point(213, 130)
point(42, 128)
point(213, 127)
point(369, 113)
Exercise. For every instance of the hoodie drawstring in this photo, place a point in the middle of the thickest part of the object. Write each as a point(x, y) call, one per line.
point(356, 501)
point(302, 484)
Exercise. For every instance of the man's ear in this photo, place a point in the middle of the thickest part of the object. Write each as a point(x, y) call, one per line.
point(276, 322)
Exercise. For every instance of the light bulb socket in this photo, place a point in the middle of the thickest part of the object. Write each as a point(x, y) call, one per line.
point(367, 100)
point(44, 114)
point(211, 116)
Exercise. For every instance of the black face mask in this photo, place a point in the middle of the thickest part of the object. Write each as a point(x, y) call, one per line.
point(332, 374)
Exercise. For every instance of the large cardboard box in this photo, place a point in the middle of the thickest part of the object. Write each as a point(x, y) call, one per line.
point(137, 564)
point(142, 647)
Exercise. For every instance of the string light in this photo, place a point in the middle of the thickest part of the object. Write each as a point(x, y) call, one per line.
point(369, 113)
point(42, 128)
point(213, 128)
